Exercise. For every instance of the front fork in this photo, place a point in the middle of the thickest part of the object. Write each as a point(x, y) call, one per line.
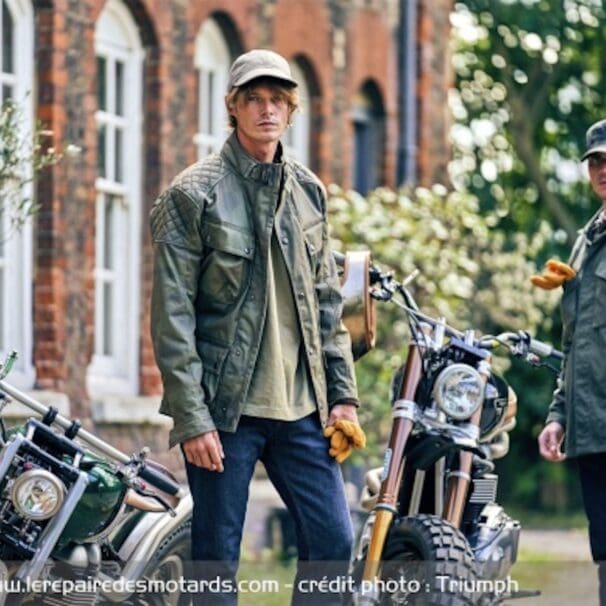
point(386, 507)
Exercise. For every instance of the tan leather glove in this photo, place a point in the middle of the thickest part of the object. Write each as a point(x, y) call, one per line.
point(344, 437)
point(554, 275)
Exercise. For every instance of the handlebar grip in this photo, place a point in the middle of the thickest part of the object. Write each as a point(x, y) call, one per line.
point(544, 349)
point(160, 480)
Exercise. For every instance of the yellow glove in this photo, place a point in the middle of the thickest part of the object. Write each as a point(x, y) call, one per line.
point(554, 275)
point(344, 437)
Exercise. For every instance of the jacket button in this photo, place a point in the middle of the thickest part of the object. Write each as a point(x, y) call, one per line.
point(301, 294)
point(238, 352)
point(247, 251)
point(284, 240)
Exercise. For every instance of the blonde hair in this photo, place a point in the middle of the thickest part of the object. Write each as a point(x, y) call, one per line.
point(290, 93)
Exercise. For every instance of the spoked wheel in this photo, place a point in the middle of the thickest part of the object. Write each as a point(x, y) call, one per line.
point(426, 561)
point(169, 568)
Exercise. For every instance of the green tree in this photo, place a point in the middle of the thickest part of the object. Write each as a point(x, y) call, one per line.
point(530, 80)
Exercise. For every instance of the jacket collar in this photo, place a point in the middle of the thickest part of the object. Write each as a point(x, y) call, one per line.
point(267, 173)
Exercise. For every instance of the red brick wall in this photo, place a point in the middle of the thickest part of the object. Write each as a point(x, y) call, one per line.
point(372, 56)
point(293, 22)
point(435, 78)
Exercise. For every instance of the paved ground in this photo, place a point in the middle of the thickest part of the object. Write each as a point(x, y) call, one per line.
point(558, 563)
point(571, 545)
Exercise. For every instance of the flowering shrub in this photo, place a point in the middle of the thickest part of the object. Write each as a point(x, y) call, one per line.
point(471, 272)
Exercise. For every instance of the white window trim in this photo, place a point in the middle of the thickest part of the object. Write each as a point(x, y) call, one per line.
point(297, 137)
point(212, 55)
point(17, 296)
point(110, 374)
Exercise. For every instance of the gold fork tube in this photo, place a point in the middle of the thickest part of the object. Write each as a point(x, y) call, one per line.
point(386, 507)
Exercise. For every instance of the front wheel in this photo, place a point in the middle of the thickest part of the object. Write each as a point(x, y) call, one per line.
point(167, 570)
point(426, 561)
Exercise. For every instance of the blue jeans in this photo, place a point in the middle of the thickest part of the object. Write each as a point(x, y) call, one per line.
point(295, 455)
point(591, 472)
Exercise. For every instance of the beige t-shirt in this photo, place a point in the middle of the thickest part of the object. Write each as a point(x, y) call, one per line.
point(281, 387)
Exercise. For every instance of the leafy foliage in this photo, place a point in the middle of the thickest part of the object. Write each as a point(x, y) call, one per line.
point(23, 154)
point(530, 80)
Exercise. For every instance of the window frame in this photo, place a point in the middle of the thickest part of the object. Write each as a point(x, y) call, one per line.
point(211, 56)
point(117, 40)
point(16, 295)
point(297, 139)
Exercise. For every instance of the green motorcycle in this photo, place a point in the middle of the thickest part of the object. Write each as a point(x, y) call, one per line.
point(82, 523)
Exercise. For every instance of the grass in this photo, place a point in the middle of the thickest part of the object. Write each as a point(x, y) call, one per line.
point(548, 521)
point(269, 583)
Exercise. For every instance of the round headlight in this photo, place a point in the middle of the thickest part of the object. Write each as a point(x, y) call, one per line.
point(37, 494)
point(459, 391)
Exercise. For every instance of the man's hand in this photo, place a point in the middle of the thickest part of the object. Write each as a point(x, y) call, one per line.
point(205, 450)
point(550, 441)
point(344, 431)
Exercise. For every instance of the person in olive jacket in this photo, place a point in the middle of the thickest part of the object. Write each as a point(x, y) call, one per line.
point(247, 332)
point(578, 410)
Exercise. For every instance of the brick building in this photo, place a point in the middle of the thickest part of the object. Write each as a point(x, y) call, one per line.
point(138, 85)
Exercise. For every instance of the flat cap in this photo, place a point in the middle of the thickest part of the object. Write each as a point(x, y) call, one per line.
point(259, 63)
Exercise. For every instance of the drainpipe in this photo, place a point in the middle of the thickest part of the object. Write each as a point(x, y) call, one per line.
point(407, 101)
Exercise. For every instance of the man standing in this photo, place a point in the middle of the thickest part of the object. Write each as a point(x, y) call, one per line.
point(248, 336)
point(578, 409)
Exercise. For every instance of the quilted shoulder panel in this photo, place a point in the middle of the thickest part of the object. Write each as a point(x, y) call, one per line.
point(175, 218)
point(176, 214)
point(200, 178)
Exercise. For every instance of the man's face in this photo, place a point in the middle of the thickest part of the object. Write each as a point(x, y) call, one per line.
point(262, 115)
point(597, 173)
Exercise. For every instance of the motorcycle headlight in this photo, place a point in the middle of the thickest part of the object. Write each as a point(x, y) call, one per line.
point(459, 391)
point(37, 494)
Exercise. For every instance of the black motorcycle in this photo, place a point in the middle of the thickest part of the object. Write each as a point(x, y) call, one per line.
point(434, 533)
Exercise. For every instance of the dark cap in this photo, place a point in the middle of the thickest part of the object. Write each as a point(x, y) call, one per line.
point(259, 63)
point(596, 139)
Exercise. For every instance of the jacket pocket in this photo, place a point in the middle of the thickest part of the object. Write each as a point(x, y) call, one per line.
point(229, 251)
point(599, 317)
point(213, 357)
point(313, 235)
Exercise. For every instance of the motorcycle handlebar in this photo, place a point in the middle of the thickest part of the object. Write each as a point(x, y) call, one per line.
point(539, 348)
point(160, 481)
point(157, 479)
point(545, 350)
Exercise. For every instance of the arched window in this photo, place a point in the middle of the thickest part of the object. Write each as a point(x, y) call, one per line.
point(212, 61)
point(16, 82)
point(369, 139)
point(298, 135)
point(115, 364)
